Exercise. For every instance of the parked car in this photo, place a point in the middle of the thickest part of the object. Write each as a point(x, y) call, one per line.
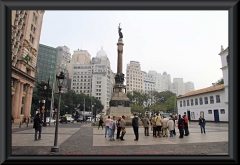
point(69, 119)
point(80, 120)
point(63, 119)
point(51, 120)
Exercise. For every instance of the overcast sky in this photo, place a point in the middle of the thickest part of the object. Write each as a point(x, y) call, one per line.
point(185, 44)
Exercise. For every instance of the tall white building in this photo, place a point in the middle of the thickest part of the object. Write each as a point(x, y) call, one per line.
point(189, 86)
point(149, 82)
point(178, 86)
point(135, 77)
point(63, 59)
point(94, 79)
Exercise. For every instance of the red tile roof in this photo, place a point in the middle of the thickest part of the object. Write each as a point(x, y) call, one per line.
point(204, 90)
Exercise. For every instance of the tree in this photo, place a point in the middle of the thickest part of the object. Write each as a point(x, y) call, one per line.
point(219, 82)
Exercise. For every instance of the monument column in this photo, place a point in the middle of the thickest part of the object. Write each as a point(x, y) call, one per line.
point(120, 52)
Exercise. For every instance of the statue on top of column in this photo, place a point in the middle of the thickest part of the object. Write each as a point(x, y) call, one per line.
point(119, 31)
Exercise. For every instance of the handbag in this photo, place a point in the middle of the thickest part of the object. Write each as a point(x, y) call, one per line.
point(123, 130)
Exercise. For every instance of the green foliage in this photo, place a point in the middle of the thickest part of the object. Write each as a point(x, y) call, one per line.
point(153, 101)
point(219, 82)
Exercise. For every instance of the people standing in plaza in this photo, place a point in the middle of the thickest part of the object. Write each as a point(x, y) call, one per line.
point(180, 126)
point(118, 122)
point(100, 123)
point(107, 123)
point(158, 120)
point(146, 123)
point(165, 126)
point(112, 128)
point(186, 123)
point(123, 125)
point(171, 126)
point(202, 123)
point(154, 125)
point(174, 121)
point(38, 126)
point(135, 125)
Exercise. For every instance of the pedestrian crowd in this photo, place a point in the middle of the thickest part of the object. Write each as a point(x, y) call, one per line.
point(161, 126)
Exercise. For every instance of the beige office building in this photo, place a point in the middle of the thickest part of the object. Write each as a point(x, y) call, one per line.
point(26, 31)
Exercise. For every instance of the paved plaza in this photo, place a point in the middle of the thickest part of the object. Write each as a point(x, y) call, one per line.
point(84, 139)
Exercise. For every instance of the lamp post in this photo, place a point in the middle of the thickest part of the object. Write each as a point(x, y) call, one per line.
point(46, 88)
point(60, 81)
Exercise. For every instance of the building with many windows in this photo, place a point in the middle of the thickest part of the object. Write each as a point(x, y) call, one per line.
point(26, 30)
point(94, 79)
point(210, 102)
point(63, 59)
point(46, 65)
point(135, 77)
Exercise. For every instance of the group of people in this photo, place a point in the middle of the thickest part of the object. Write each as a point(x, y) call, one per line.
point(112, 124)
point(161, 126)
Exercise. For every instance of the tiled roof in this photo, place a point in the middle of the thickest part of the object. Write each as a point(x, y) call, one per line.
point(204, 90)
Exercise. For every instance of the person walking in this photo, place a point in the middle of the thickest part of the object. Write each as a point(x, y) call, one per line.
point(146, 123)
point(112, 128)
point(123, 125)
point(100, 123)
point(38, 126)
point(202, 123)
point(174, 121)
point(135, 125)
point(107, 123)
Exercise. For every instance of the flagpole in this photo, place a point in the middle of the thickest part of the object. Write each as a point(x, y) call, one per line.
point(84, 110)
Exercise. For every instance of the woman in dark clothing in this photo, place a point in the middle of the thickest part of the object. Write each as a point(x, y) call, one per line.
point(202, 123)
point(38, 126)
point(119, 127)
point(100, 123)
point(180, 126)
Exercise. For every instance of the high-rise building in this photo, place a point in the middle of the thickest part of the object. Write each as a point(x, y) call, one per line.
point(63, 59)
point(178, 86)
point(149, 82)
point(46, 65)
point(135, 77)
point(94, 79)
point(189, 86)
point(26, 29)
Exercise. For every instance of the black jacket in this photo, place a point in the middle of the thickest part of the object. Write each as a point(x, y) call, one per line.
point(37, 122)
point(135, 122)
point(202, 121)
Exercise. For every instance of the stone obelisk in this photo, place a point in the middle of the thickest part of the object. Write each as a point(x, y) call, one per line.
point(119, 103)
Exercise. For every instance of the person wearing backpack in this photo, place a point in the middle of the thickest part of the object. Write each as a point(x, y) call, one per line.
point(38, 126)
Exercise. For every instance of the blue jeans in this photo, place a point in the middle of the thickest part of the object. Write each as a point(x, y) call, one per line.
point(112, 134)
point(171, 133)
point(202, 126)
point(107, 131)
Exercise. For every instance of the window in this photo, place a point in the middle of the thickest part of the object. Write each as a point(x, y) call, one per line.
point(23, 100)
point(21, 110)
point(191, 102)
point(187, 102)
point(206, 100)
point(217, 98)
point(209, 111)
point(184, 103)
point(201, 101)
point(180, 103)
point(211, 100)
point(222, 111)
point(196, 101)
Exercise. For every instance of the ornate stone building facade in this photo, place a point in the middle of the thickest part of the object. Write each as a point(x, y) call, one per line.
point(26, 30)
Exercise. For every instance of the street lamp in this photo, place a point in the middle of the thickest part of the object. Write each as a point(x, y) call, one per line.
point(60, 82)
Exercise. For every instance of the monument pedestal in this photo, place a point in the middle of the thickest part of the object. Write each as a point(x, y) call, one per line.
point(119, 104)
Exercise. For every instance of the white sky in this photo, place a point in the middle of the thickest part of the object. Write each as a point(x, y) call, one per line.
point(185, 44)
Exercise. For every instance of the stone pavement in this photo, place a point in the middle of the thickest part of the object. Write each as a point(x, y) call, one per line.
point(81, 138)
